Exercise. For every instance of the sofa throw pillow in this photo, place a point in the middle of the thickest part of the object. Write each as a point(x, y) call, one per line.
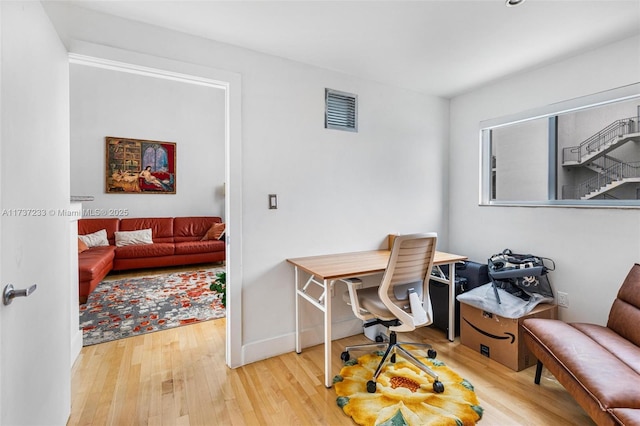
point(215, 232)
point(96, 239)
point(129, 238)
point(82, 246)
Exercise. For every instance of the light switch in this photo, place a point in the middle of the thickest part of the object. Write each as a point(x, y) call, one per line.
point(273, 201)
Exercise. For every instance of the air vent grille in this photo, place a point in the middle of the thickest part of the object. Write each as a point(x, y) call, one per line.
point(341, 111)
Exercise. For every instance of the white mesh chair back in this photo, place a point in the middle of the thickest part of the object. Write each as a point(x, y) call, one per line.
point(409, 266)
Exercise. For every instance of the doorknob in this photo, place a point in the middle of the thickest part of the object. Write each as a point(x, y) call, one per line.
point(10, 293)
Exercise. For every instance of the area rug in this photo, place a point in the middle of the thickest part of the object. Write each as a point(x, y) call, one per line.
point(127, 307)
point(405, 395)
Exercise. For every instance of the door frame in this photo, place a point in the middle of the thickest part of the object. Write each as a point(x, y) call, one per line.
point(230, 82)
point(1, 279)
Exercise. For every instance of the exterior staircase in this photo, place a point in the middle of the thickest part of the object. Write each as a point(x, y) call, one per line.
point(611, 172)
point(605, 164)
point(611, 137)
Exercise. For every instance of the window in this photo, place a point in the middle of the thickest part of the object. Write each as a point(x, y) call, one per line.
point(580, 152)
point(341, 110)
point(156, 157)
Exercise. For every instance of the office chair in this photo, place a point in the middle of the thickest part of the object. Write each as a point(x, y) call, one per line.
point(401, 302)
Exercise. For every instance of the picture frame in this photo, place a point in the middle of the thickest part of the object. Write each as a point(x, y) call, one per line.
point(138, 166)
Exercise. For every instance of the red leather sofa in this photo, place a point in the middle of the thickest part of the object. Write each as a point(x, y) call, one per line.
point(176, 241)
point(599, 366)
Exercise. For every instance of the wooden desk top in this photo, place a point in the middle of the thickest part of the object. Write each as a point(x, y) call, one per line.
point(343, 265)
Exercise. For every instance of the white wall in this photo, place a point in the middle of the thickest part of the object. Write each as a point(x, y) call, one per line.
point(338, 191)
point(113, 103)
point(593, 248)
point(34, 163)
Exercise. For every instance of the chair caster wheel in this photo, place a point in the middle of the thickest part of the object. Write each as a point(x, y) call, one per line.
point(371, 386)
point(344, 356)
point(438, 387)
point(431, 353)
point(379, 339)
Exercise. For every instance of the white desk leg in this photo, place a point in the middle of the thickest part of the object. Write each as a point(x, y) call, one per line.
point(297, 286)
point(451, 334)
point(327, 333)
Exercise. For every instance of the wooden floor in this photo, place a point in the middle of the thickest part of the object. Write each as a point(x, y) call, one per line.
point(178, 377)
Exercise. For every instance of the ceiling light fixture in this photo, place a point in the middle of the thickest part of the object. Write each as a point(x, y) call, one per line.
point(512, 3)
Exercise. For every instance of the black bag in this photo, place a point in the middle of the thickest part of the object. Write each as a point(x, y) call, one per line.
point(522, 275)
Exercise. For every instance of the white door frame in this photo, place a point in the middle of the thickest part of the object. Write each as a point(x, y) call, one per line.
point(1, 280)
point(231, 83)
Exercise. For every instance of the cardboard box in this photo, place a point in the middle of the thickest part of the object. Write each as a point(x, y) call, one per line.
point(500, 338)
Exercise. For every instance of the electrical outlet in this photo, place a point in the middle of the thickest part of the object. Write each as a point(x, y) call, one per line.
point(563, 299)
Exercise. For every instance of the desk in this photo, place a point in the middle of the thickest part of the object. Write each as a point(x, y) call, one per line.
point(325, 270)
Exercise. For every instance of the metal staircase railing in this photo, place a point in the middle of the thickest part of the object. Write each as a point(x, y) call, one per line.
point(604, 162)
point(600, 140)
point(617, 172)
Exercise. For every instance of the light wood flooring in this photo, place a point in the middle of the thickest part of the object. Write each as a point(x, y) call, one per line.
point(178, 377)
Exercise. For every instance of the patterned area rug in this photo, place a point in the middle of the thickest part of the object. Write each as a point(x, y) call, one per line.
point(128, 307)
point(404, 394)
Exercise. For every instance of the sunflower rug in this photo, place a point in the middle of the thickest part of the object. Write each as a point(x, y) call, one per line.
point(127, 307)
point(405, 395)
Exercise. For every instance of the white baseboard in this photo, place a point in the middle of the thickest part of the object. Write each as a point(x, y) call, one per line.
point(263, 349)
point(76, 346)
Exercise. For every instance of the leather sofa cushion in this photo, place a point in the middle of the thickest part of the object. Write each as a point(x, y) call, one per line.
point(624, 315)
point(611, 382)
point(192, 228)
point(161, 227)
point(89, 226)
point(145, 250)
point(193, 247)
point(93, 262)
point(626, 416)
point(623, 349)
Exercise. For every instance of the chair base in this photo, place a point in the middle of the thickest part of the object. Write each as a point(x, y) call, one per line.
point(376, 330)
point(392, 347)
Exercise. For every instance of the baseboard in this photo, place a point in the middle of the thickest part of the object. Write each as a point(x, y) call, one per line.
point(76, 346)
point(263, 349)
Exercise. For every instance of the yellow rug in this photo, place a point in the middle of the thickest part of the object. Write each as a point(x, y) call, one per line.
point(405, 395)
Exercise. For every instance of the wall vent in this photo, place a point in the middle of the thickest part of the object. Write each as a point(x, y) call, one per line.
point(341, 110)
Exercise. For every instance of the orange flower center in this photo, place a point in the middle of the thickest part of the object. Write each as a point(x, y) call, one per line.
point(404, 382)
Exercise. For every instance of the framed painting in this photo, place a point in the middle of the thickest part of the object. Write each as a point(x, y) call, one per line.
point(136, 166)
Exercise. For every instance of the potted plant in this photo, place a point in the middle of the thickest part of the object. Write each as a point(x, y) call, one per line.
point(219, 285)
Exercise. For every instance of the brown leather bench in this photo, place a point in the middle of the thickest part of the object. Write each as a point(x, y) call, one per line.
point(599, 366)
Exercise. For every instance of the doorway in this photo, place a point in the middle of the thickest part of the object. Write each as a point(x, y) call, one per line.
point(229, 83)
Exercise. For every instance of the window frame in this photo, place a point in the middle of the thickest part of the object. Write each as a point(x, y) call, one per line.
point(551, 112)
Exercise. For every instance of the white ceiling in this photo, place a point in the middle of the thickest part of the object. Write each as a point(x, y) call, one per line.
point(442, 48)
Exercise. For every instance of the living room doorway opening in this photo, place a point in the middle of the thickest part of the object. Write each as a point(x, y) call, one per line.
point(227, 186)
